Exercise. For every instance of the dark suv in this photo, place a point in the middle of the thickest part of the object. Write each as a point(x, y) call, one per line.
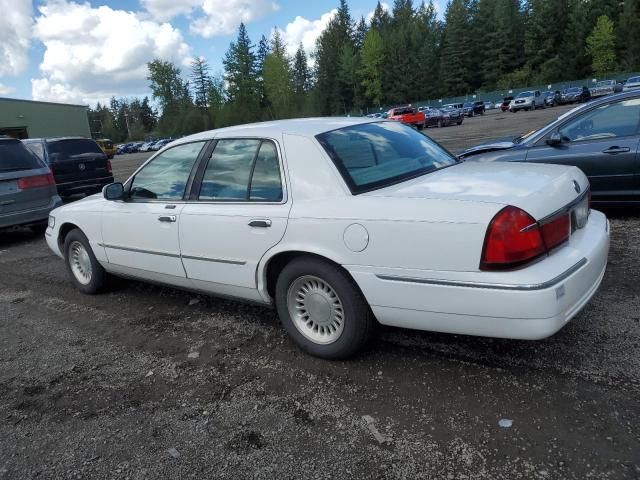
point(27, 189)
point(78, 164)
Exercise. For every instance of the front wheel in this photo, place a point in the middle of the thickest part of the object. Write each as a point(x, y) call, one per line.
point(322, 309)
point(86, 272)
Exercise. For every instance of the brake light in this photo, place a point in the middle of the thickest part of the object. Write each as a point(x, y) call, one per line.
point(556, 230)
point(36, 181)
point(513, 238)
point(109, 166)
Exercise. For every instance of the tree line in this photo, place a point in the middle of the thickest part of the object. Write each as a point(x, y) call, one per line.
point(399, 56)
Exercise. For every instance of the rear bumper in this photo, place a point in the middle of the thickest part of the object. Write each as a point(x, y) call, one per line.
point(31, 216)
point(89, 185)
point(531, 311)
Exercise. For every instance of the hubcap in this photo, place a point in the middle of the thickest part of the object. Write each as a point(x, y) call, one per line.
point(316, 309)
point(80, 262)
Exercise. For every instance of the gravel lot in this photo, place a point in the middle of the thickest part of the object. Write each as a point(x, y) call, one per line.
point(150, 382)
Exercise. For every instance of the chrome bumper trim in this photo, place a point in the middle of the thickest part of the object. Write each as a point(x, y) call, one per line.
point(492, 286)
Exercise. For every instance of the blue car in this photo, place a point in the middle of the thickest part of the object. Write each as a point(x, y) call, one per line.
point(601, 138)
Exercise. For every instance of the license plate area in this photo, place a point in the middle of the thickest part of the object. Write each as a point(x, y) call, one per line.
point(8, 188)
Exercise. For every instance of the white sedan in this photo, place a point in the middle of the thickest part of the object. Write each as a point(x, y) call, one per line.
point(344, 223)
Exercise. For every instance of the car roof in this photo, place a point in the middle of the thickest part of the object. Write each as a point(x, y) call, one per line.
point(299, 126)
point(55, 139)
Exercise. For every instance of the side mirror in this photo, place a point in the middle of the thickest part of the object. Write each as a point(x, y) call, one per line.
point(113, 191)
point(554, 140)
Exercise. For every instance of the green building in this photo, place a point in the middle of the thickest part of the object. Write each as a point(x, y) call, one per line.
point(29, 119)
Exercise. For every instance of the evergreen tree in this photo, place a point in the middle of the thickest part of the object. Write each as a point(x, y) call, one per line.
point(261, 56)
point(277, 78)
point(360, 32)
point(428, 50)
point(200, 79)
point(242, 78)
point(601, 46)
point(455, 61)
point(372, 56)
point(380, 19)
point(301, 74)
point(628, 41)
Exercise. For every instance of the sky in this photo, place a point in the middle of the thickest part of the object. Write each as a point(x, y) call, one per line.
point(85, 52)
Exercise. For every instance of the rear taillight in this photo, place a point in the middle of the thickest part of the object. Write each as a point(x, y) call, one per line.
point(555, 231)
point(513, 238)
point(109, 166)
point(36, 181)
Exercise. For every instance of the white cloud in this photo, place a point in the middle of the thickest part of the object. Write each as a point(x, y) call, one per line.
point(163, 10)
point(94, 53)
point(15, 32)
point(210, 18)
point(305, 31)
point(4, 90)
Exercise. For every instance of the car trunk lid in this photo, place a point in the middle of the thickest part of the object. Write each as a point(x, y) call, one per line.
point(74, 160)
point(539, 189)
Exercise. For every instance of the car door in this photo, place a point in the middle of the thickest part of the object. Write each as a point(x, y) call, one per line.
point(140, 233)
point(603, 142)
point(238, 210)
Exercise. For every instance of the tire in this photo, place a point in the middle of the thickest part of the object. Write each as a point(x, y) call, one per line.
point(439, 123)
point(348, 324)
point(77, 257)
point(459, 123)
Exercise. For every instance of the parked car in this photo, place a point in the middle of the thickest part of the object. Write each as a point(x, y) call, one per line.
point(27, 188)
point(455, 106)
point(160, 143)
point(600, 137)
point(451, 115)
point(146, 147)
point(549, 98)
point(107, 147)
point(121, 148)
point(529, 100)
point(506, 101)
point(341, 223)
point(631, 84)
point(606, 87)
point(407, 115)
point(478, 108)
point(575, 95)
point(489, 105)
point(435, 117)
point(78, 164)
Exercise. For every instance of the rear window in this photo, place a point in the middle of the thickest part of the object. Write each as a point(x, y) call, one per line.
point(375, 155)
point(71, 148)
point(15, 156)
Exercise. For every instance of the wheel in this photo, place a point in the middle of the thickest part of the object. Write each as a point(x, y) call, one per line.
point(439, 123)
point(459, 123)
point(86, 273)
point(322, 309)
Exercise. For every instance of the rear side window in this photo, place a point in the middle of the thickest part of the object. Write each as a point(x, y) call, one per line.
point(61, 149)
point(15, 156)
point(37, 149)
point(242, 170)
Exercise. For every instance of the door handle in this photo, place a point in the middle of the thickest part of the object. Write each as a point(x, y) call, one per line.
point(263, 223)
point(167, 218)
point(614, 150)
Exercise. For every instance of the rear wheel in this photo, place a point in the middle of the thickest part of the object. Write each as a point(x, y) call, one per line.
point(86, 272)
point(322, 309)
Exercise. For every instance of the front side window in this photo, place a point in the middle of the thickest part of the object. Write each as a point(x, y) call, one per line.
point(612, 120)
point(166, 176)
point(242, 170)
point(375, 155)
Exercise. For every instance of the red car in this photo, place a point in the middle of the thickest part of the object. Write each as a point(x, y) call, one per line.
point(408, 115)
point(505, 103)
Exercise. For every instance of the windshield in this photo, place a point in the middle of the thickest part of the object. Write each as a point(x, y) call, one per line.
point(574, 90)
point(525, 95)
point(634, 80)
point(72, 147)
point(15, 156)
point(374, 155)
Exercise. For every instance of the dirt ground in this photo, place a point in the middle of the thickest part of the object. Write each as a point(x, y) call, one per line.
point(151, 382)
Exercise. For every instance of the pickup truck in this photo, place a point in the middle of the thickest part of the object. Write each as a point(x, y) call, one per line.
point(407, 115)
